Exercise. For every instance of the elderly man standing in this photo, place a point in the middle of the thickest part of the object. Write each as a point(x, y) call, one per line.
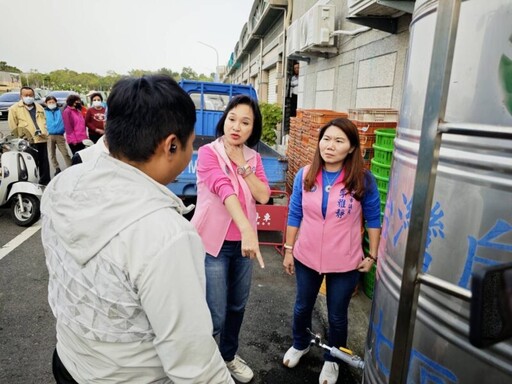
point(27, 121)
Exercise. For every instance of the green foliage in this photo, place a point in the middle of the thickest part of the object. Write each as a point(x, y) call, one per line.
point(272, 115)
point(67, 79)
point(8, 68)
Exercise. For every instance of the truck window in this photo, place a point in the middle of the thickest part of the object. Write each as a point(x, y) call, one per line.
point(212, 102)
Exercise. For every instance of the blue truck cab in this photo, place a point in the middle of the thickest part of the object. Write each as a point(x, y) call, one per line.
point(210, 100)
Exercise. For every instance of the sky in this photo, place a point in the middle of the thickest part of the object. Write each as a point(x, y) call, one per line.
point(120, 35)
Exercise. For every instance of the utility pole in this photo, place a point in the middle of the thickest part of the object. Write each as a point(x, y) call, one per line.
point(216, 78)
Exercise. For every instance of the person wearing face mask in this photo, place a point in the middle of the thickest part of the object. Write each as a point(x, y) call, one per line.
point(74, 123)
point(27, 121)
point(55, 126)
point(95, 117)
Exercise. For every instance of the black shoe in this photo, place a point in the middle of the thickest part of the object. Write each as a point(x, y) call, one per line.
point(57, 171)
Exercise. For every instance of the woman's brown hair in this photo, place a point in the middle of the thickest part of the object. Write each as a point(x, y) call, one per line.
point(353, 164)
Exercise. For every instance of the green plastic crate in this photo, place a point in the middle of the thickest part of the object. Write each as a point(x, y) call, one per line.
point(369, 281)
point(382, 182)
point(383, 193)
point(385, 138)
point(382, 155)
point(380, 169)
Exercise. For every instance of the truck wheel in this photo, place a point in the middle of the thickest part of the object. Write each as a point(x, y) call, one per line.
point(31, 210)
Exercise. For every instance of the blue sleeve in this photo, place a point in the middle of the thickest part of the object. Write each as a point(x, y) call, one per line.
point(371, 202)
point(295, 206)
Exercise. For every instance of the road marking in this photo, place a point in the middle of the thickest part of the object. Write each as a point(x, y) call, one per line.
point(20, 239)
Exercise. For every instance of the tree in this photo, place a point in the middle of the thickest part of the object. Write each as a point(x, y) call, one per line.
point(188, 73)
point(169, 72)
point(271, 115)
point(139, 72)
point(8, 68)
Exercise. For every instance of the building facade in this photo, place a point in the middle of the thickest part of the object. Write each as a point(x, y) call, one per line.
point(352, 53)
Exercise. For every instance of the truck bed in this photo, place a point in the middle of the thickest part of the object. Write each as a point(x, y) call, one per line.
point(274, 164)
point(210, 100)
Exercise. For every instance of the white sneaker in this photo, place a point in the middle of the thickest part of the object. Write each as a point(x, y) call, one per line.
point(292, 356)
point(329, 374)
point(239, 369)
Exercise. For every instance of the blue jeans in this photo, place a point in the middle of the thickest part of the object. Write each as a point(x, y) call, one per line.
point(340, 287)
point(228, 282)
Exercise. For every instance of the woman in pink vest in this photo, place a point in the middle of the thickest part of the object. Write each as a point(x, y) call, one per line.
point(230, 179)
point(330, 199)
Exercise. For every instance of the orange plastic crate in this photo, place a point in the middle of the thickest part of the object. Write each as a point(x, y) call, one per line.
point(369, 127)
point(373, 114)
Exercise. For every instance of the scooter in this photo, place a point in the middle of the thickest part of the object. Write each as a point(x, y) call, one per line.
point(19, 188)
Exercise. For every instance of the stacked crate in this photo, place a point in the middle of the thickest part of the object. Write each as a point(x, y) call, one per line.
point(367, 120)
point(377, 129)
point(381, 162)
point(303, 139)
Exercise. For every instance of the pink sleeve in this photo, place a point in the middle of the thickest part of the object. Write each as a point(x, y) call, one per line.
point(260, 171)
point(209, 171)
point(68, 125)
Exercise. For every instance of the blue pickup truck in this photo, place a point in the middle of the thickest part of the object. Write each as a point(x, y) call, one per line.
point(210, 100)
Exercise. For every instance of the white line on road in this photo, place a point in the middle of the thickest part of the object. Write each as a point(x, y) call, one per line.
point(18, 240)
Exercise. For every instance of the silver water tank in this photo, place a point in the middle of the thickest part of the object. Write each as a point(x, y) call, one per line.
point(471, 217)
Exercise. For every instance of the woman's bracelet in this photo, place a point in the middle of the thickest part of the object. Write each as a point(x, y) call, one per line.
point(287, 246)
point(374, 258)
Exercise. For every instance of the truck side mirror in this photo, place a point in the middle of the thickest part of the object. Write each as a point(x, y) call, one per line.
point(491, 305)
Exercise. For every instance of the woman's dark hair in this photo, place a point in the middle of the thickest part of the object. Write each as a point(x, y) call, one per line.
point(96, 94)
point(48, 98)
point(353, 164)
point(257, 129)
point(144, 111)
point(72, 99)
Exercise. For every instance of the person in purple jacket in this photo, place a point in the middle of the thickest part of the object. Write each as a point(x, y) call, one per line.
point(74, 123)
point(330, 199)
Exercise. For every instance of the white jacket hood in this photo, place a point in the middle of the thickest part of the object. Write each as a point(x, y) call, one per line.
point(90, 203)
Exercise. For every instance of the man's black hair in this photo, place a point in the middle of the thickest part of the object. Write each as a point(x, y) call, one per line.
point(27, 88)
point(257, 129)
point(144, 111)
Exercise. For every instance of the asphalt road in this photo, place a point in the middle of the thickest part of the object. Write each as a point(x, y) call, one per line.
point(27, 334)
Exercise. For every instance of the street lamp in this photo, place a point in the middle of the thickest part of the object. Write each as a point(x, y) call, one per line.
point(216, 79)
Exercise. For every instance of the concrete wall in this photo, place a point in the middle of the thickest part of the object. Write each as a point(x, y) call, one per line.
point(367, 72)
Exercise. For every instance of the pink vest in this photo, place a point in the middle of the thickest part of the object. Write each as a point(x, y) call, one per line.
point(333, 244)
point(211, 218)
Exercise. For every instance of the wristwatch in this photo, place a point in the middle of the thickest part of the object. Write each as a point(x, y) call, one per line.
point(244, 171)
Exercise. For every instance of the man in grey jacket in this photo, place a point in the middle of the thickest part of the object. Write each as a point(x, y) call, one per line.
point(126, 270)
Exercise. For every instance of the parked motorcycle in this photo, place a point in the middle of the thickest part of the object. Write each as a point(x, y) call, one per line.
point(19, 188)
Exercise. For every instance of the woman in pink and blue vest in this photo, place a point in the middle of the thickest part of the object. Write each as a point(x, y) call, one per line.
point(330, 199)
point(230, 179)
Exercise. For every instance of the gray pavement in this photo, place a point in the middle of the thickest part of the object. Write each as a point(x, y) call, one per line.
point(27, 334)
